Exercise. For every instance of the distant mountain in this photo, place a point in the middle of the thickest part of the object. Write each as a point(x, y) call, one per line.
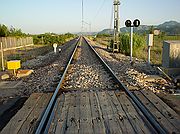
point(140, 29)
point(86, 33)
point(106, 31)
point(170, 28)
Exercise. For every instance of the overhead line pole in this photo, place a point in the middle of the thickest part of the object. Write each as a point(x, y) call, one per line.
point(82, 17)
point(116, 25)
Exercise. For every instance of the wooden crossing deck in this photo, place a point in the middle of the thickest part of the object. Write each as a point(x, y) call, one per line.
point(27, 118)
point(166, 117)
point(97, 112)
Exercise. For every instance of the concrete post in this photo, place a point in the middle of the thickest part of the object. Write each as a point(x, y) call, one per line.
point(149, 55)
point(2, 57)
point(149, 44)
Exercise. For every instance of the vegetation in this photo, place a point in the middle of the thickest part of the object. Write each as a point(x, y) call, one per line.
point(47, 38)
point(42, 43)
point(50, 38)
point(5, 31)
point(140, 47)
point(138, 43)
point(103, 35)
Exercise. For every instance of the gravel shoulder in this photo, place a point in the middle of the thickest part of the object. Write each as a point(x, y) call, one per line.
point(47, 70)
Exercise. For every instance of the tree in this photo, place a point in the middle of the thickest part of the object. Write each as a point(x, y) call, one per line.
point(151, 30)
point(4, 31)
point(16, 32)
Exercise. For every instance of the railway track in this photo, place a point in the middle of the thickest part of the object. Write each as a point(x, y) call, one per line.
point(91, 99)
point(94, 110)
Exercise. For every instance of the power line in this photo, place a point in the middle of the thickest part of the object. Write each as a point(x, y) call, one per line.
point(90, 24)
point(98, 11)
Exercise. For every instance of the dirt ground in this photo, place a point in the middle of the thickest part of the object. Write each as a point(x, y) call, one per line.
point(10, 100)
point(26, 53)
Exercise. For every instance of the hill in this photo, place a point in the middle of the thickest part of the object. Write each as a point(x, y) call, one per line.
point(169, 27)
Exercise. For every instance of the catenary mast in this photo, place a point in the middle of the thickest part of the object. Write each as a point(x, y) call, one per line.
point(116, 25)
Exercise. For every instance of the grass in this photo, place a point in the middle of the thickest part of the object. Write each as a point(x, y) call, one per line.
point(142, 53)
point(156, 50)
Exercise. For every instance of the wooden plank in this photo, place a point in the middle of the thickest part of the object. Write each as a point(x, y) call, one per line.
point(57, 111)
point(30, 125)
point(110, 121)
point(120, 114)
point(97, 120)
point(86, 125)
point(136, 121)
point(73, 125)
point(62, 117)
point(17, 121)
point(158, 115)
point(165, 110)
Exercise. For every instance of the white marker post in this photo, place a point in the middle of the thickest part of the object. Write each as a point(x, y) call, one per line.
point(55, 47)
point(150, 44)
point(2, 57)
point(131, 45)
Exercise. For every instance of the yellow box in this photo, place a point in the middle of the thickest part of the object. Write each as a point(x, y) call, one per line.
point(14, 64)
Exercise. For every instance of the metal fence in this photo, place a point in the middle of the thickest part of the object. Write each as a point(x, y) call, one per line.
point(9, 43)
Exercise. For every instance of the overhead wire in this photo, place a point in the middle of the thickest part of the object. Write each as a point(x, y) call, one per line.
point(98, 11)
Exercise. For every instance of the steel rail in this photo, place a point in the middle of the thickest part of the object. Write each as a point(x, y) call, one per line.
point(41, 127)
point(146, 113)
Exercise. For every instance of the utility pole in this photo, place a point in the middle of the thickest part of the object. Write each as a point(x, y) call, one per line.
point(116, 25)
point(82, 27)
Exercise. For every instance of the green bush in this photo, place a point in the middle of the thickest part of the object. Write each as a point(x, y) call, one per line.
point(5, 31)
point(138, 43)
point(50, 38)
point(103, 35)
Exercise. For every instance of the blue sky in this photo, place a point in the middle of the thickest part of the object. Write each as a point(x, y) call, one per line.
point(60, 16)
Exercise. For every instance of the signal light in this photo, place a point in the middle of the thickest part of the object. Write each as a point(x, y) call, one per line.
point(128, 23)
point(136, 23)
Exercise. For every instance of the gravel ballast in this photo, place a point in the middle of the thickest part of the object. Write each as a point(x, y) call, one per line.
point(87, 72)
point(134, 75)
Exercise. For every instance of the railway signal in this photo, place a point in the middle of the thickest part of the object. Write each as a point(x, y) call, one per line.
point(128, 23)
